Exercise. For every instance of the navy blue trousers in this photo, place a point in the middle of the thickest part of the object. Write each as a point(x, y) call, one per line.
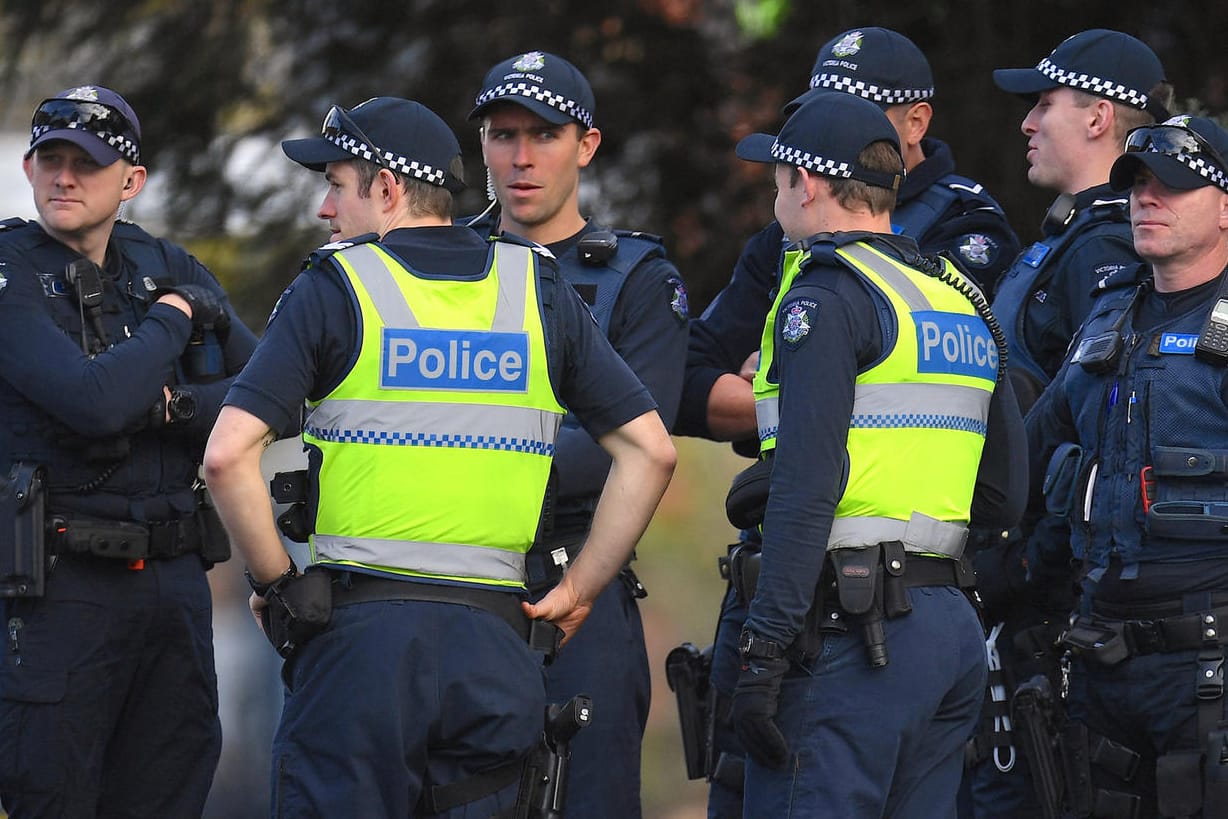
point(874, 742)
point(724, 799)
point(396, 696)
point(608, 661)
point(108, 695)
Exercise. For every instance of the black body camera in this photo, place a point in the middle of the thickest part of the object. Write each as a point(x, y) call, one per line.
point(597, 247)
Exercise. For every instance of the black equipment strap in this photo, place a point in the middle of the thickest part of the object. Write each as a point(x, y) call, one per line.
point(442, 798)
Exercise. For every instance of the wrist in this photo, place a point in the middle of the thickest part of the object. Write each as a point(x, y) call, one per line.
point(262, 588)
point(753, 647)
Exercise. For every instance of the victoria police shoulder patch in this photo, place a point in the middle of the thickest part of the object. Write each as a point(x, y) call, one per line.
point(977, 249)
point(678, 301)
point(796, 318)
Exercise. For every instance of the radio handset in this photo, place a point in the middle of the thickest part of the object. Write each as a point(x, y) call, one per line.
point(1212, 344)
point(84, 276)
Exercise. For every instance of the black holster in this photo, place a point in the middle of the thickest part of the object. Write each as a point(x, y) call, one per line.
point(298, 609)
point(23, 555)
point(214, 542)
point(859, 585)
point(687, 670)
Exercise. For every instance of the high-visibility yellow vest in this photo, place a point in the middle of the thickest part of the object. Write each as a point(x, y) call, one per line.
point(919, 414)
point(437, 444)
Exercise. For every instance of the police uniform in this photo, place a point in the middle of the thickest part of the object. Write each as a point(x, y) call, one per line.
point(449, 686)
point(108, 695)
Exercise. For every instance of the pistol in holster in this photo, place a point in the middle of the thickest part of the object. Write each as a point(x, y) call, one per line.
point(23, 554)
point(543, 784)
point(687, 671)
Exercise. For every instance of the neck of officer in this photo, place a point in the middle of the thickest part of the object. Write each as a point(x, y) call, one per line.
point(407, 221)
point(565, 222)
point(1177, 274)
point(92, 244)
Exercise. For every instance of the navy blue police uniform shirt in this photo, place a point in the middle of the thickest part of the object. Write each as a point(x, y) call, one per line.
point(48, 380)
point(1050, 423)
point(1054, 312)
point(310, 343)
point(731, 328)
point(849, 326)
point(648, 329)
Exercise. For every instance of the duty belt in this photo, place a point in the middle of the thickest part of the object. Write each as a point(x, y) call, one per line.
point(126, 540)
point(546, 562)
point(1178, 633)
point(350, 588)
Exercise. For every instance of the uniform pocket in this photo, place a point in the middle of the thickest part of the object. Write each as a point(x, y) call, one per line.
point(28, 728)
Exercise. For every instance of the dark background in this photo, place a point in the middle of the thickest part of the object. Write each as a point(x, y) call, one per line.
point(218, 84)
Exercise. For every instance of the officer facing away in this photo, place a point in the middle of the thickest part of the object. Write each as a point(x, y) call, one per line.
point(942, 210)
point(115, 352)
point(536, 112)
point(878, 391)
point(436, 367)
point(1131, 445)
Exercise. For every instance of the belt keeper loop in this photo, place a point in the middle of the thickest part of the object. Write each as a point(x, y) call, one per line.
point(1210, 683)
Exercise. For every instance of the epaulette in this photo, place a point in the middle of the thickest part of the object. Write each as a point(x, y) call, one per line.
point(639, 234)
point(13, 222)
point(324, 251)
point(1122, 277)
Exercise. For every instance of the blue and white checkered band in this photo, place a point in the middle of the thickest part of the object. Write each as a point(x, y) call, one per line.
point(1094, 85)
point(874, 93)
point(409, 167)
point(796, 156)
point(1207, 170)
point(128, 149)
point(526, 89)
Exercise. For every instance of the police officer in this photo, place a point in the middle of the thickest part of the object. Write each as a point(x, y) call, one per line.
point(115, 352)
point(1087, 94)
point(436, 367)
point(862, 666)
point(1131, 435)
point(943, 211)
point(537, 133)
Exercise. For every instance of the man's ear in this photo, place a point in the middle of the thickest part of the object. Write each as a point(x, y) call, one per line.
point(133, 182)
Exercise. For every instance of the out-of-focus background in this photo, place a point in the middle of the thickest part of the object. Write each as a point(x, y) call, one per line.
point(218, 84)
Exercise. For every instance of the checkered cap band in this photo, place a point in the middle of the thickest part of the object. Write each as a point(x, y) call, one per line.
point(1207, 170)
point(1095, 85)
point(796, 156)
point(525, 89)
point(128, 149)
point(874, 93)
point(409, 167)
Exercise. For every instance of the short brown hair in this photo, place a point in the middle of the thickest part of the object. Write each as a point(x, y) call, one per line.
point(880, 156)
point(422, 198)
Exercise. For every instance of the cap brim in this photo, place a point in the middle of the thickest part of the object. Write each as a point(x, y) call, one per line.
point(551, 115)
point(1023, 81)
point(314, 153)
point(756, 148)
point(99, 151)
point(1167, 169)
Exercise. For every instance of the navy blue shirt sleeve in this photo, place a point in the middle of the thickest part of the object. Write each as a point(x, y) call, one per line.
point(730, 329)
point(94, 397)
point(651, 338)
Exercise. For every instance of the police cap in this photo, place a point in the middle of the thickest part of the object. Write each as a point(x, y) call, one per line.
point(96, 119)
point(1183, 152)
point(879, 64)
point(547, 85)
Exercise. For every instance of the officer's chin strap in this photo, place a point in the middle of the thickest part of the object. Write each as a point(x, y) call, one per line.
point(997, 692)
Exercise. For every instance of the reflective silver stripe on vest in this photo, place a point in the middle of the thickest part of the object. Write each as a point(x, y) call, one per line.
point(767, 416)
point(390, 303)
point(403, 423)
point(900, 283)
point(435, 559)
point(921, 533)
point(929, 406)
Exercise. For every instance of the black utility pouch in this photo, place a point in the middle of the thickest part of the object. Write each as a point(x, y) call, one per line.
point(746, 503)
point(858, 577)
point(1099, 642)
point(298, 609)
point(214, 542)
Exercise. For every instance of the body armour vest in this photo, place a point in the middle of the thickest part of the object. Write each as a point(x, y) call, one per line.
point(920, 214)
point(1034, 268)
point(1154, 425)
point(922, 409)
point(436, 446)
point(103, 476)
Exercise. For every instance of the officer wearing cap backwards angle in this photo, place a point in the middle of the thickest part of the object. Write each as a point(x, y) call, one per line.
point(942, 210)
point(116, 349)
point(436, 367)
point(879, 392)
point(1130, 444)
point(537, 131)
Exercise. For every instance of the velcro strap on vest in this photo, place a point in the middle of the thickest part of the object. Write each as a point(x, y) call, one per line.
point(919, 534)
point(1185, 462)
point(356, 587)
point(126, 540)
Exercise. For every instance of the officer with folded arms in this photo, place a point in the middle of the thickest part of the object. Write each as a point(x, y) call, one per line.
point(879, 390)
point(538, 133)
point(1129, 444)
point(437, 367)
point(116, 349)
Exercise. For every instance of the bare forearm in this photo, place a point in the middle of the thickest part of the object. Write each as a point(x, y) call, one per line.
point(731, 409)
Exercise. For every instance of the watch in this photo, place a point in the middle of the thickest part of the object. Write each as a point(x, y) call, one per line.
point(262, 589)
point(752, 646)
point(181, 407)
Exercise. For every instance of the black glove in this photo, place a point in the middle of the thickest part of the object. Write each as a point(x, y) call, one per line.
point(754, 707)
point(208, 307)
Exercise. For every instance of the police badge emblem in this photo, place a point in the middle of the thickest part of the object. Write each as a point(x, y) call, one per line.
point(84, 92)
point(532, 61)
point(797, 323)
point(976, 248)
point(849, 45)
point(679, 301)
